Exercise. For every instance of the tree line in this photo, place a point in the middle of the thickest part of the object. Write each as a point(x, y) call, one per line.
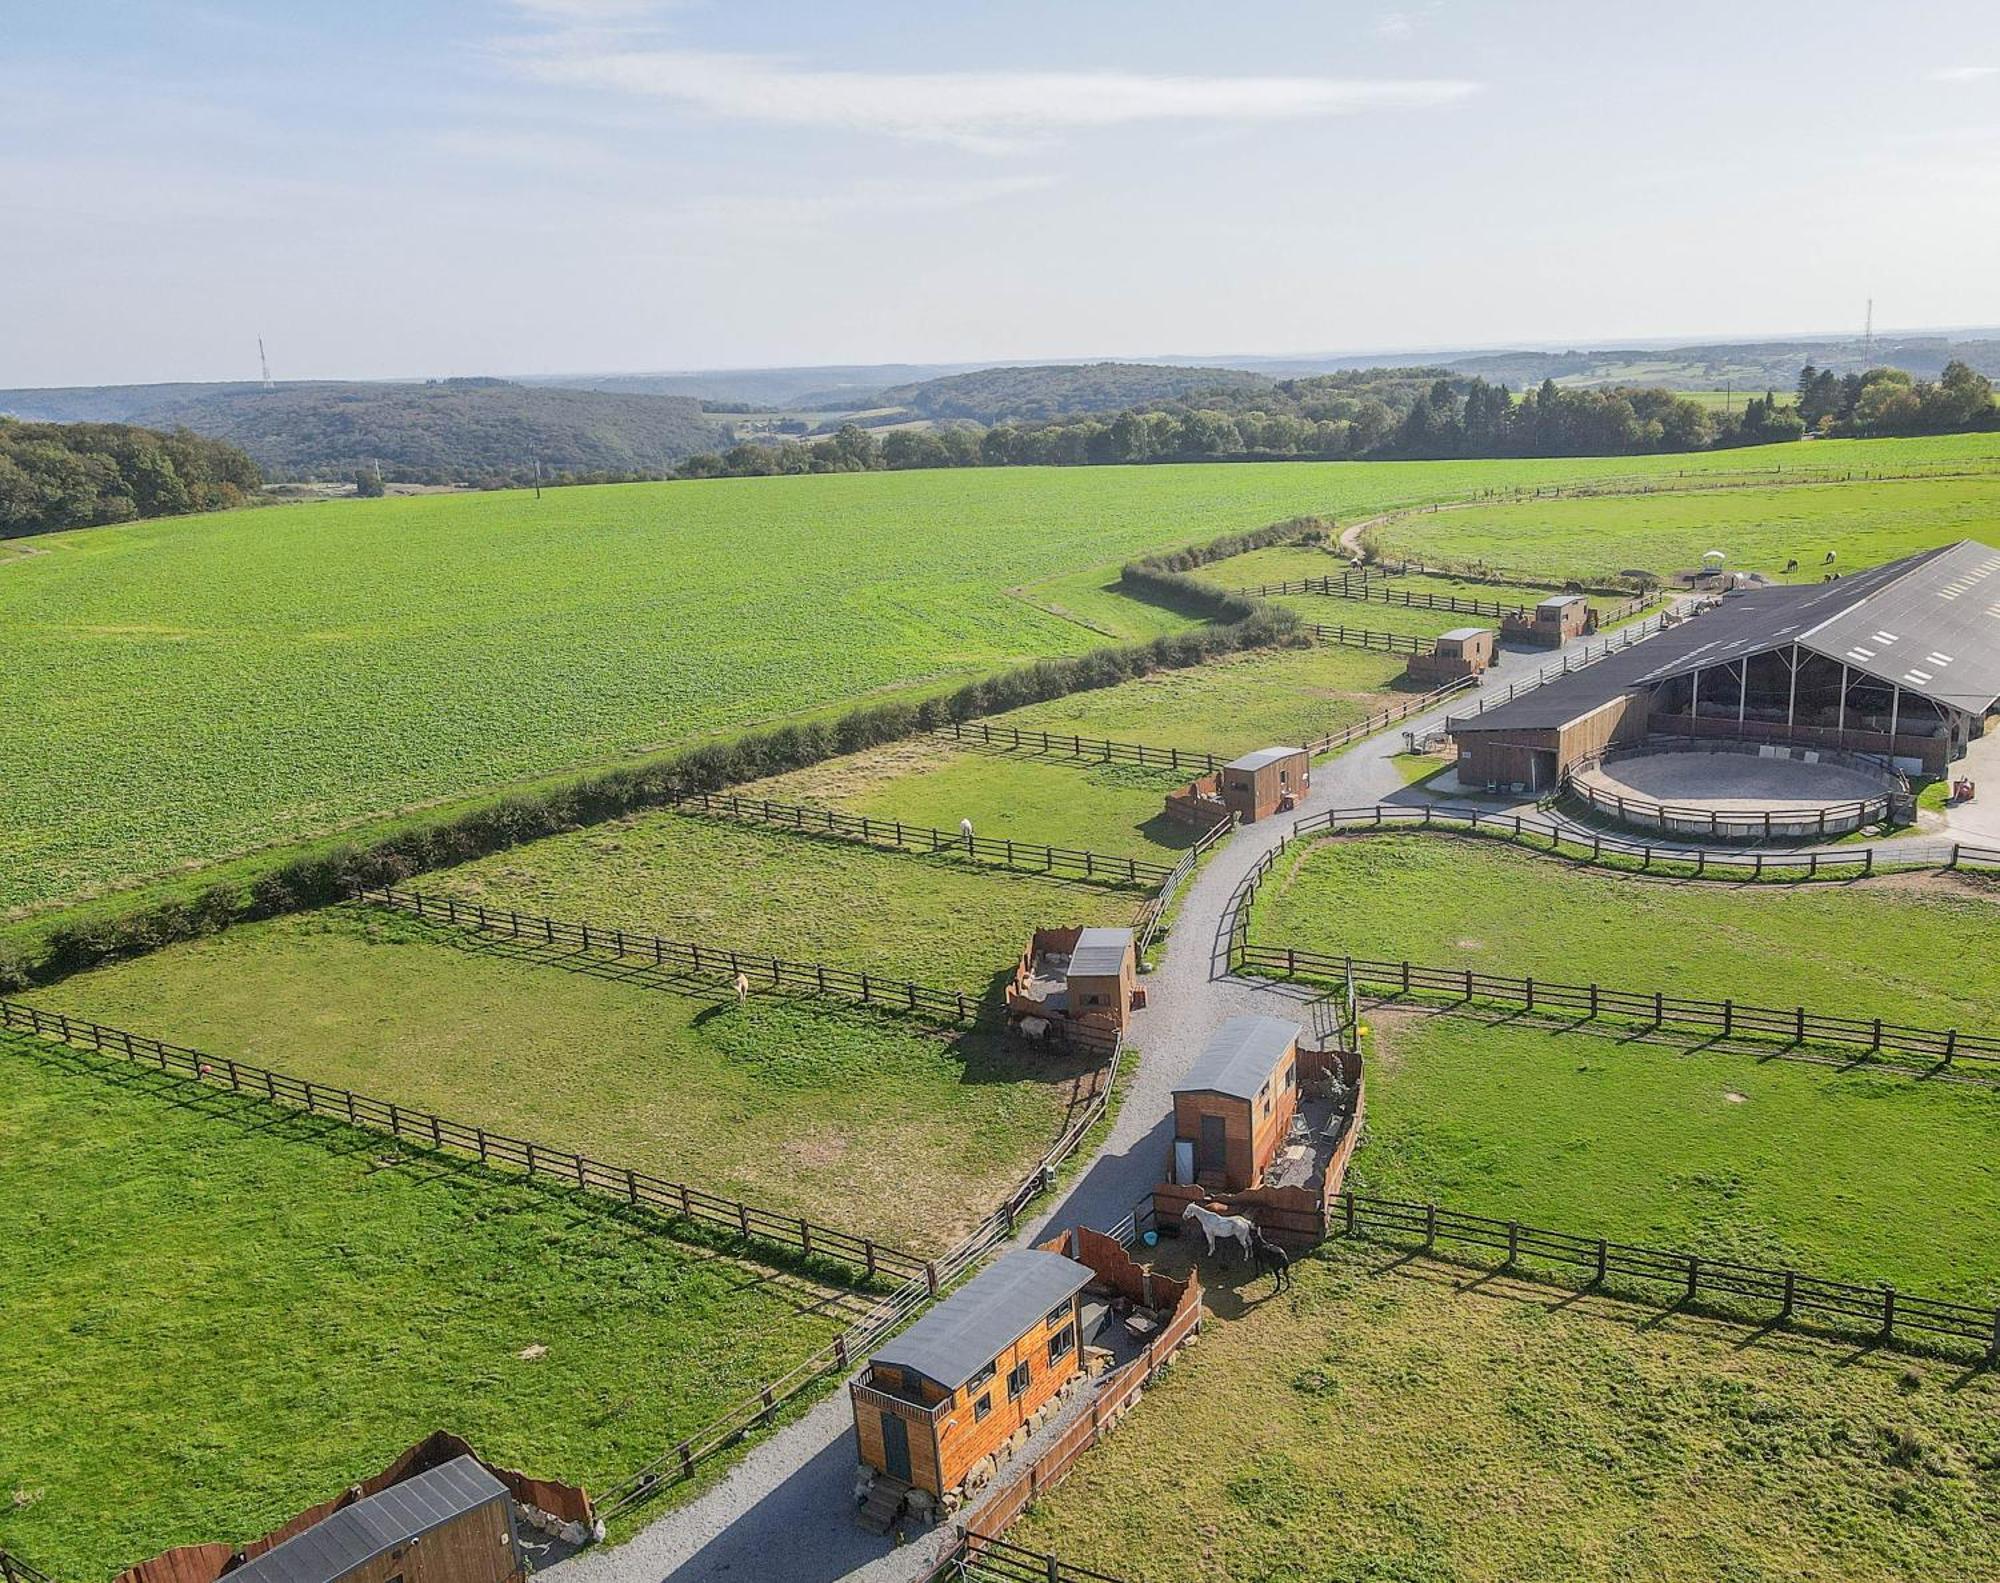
point(80, 475)
point(1889, 401)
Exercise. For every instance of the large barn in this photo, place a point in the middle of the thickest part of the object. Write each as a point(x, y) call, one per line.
point(1901, 661)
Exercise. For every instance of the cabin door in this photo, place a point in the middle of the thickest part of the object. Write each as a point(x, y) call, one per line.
point(1213, 1154)
point(896, 1447)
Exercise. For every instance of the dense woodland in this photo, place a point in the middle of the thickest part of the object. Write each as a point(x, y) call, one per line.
point(79, 475)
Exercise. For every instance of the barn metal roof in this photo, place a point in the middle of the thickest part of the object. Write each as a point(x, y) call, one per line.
point(1939, 612)
point(358, 1533)
point(986, 1316)
point(1263, 756)
point(1240, 1057)
point(1100, 953)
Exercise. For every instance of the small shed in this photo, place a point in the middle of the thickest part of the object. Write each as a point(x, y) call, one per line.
point(1463, 651)
point(958, 1383)
point(1234, 1107)
point(1103, 971)
point(1081, 980)
point(453, 1524)
point(1553, 622)
point(1259, 784)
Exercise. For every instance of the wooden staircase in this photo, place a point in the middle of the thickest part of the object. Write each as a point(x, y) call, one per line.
point(884, 1504)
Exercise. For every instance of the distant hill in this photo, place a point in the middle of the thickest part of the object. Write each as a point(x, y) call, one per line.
point(1748, 364)
point(453, 431)
point(830, 388)
point(1031, 394)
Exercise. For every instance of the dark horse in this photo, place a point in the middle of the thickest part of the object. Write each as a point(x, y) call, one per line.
point(1270, 1256)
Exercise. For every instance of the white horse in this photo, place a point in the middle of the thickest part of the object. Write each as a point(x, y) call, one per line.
point(742, 989)
point(965, 829)
point(1239, 1229)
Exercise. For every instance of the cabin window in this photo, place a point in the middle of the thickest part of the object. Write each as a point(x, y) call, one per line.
point(982, 1376)
point(982, 1407)
point(1058, 1314)
point(1017, 1380)
point(1060, 1343)
point(1291, 1076)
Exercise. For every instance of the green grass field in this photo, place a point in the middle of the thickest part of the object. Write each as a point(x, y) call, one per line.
point(175, 691)
point(1760, 529)
point(1110, 808)
point(1920, 950)
point(1381, 1425)
point(215, 1313)
point(854, 1119)
point(1864, 1176)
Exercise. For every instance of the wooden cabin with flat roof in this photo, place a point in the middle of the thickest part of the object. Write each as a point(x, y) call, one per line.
point(1552, 622)
point(956, 1385)
point(1078, 980)
point(1235, 1106)
point(453, 1524)
point(1461, 652)
point(1259, 784)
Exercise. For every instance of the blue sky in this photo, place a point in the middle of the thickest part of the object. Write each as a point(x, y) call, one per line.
point(567, 185)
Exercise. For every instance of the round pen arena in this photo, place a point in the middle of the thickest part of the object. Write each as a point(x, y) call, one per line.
point(1792, 710)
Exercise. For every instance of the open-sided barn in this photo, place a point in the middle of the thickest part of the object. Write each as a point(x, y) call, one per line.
point(1901, 661)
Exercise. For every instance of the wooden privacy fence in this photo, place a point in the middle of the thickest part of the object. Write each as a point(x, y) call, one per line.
point(1029, 856)
point(1726, 1019)
point(1592, 846)
point(720, 962)
point(1388, 717)
point(854, 1344)
point(1879, 1312)
point(496, 1149)
point(979, 1556)
point(1014, 739)
point(1363, 638)
point(1154, 913)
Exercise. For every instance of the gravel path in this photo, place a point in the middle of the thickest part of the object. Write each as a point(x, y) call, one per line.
point(785, 1512)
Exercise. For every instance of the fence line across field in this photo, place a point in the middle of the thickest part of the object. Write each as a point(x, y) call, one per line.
point(488, 1147)
point(1682, 862)
point(1879, 1312)
point(1728, 1019)
point(1388, 717)
point(1016, 739)
point(721, 962)
point(1367, 638)
point(1031, 856)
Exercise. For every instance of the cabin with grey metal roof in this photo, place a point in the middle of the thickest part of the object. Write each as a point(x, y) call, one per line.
point(452, 1524)
point(1900, 662)
point(1232, 1110)
point(1265, 782)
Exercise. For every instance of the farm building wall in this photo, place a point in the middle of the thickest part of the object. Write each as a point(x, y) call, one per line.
point(1455, 658)
point(1252, 1129)
point(1535, 758)
point(1256, 794)
point(478, 1546)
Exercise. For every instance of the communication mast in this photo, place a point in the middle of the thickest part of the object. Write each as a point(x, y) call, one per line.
point(1868, 338)
point(265, 362)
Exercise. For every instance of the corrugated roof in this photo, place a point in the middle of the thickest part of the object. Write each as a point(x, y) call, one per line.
point(1240, 1058)
point(358, 1533)
point(1100, 953)
point(1816, 616)
point(984, 1317)
point(1263, 756)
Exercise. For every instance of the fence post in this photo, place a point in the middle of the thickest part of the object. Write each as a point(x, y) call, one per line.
point(1349, 1199)
point(1430, 1226)
point(1888, 1313)
point(1694, 1277)
point(1728, 1017)
point(1603, 1261)
point(931, 1279)
point(1791, 1294)
point(1513, 1242)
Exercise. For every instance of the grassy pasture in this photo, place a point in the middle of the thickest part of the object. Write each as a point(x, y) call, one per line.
point(215, 1313)
point(852, 1118)
point(1864, 1176)
point(1110, 808)
point(1387, 1423)
point(1916, 949)
point(175, 691)
point(1760, 529)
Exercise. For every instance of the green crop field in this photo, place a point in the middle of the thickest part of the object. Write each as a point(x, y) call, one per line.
point(1759, 529)
point(855, 1119)
point(1111, 808)
point(1394, 1423)
point(178, 690)
point(214, 1314)
point(1922, 950)
point(1864, 1176)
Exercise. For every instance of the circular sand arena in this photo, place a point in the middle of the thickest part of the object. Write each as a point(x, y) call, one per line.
point(1735, 794)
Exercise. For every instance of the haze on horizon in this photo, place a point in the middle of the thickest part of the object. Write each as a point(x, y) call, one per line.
point(545, 186)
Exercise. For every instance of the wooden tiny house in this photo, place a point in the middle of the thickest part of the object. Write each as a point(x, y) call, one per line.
point(1082, 980)
point(1553, 622)
point(1463, 651)
point(1259, 784)
point(959, 1382)
point(453, 1524)
point(1235, 1106)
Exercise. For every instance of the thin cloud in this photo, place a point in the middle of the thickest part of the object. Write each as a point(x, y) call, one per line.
point(990, 111)
point(1964, 73)
point(1395, 25)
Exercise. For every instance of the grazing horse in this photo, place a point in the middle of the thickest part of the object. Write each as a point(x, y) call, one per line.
point(1231, 1228)
point(1270, 1256)
point(742, 989)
